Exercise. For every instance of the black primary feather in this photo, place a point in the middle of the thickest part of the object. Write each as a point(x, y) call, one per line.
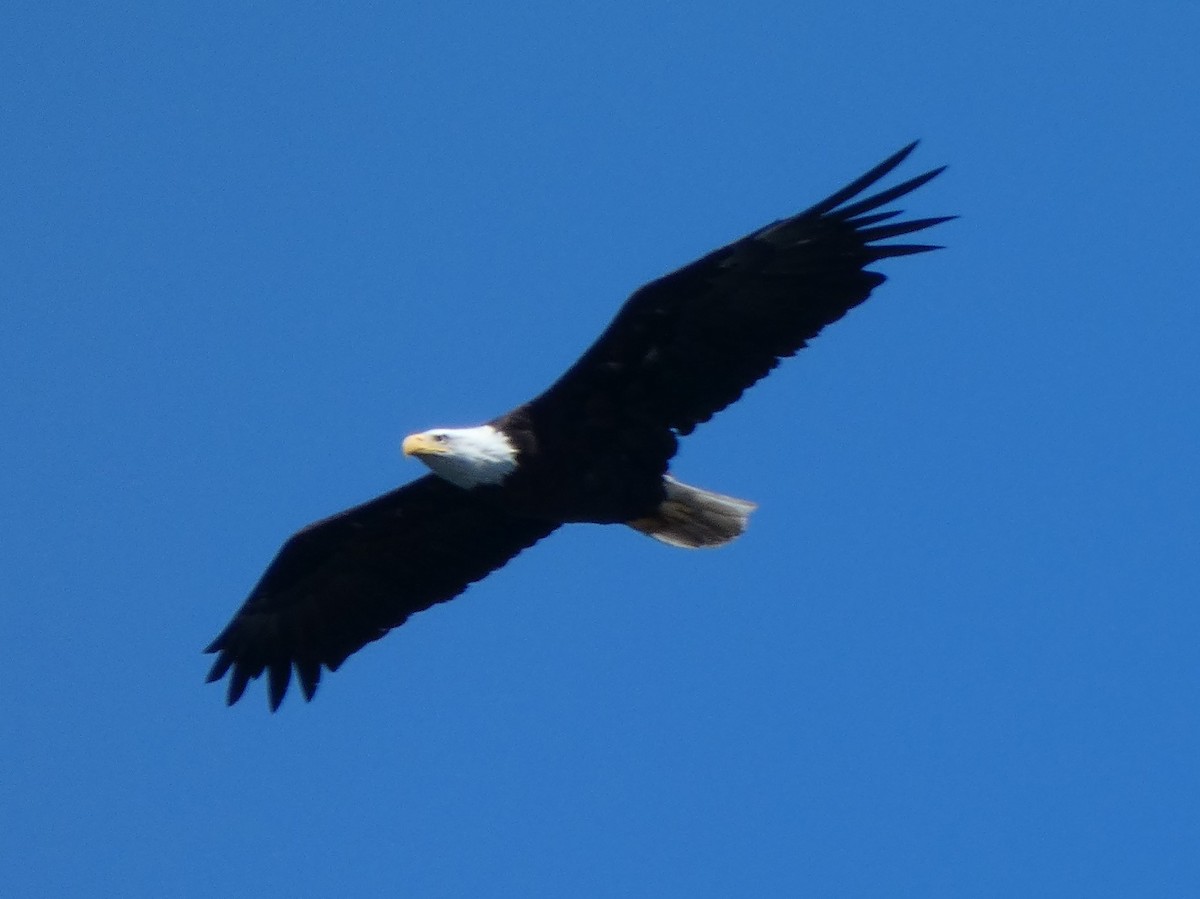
point(687, 345)
point(341, 583)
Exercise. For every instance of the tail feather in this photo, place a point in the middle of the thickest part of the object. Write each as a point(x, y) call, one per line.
point(691, 518)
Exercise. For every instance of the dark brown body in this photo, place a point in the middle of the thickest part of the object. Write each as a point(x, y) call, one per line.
point(589, 473)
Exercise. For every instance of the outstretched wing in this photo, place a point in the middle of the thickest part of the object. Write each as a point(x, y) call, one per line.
point(340, 583)
point(687, 345)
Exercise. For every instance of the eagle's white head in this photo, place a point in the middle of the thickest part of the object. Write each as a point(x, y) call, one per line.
point(465, 457)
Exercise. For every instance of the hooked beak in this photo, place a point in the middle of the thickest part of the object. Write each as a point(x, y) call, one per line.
point(422, 445)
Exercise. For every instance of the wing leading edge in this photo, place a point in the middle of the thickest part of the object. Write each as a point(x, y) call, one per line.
point(687, 345)
point(341, 583)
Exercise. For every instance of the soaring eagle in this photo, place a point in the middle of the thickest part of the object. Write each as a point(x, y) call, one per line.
point(594, 447)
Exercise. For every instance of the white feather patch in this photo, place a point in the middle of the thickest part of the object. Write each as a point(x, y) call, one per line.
point(473, 456)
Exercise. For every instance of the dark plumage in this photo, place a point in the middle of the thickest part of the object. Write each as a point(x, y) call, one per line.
point(594, 447)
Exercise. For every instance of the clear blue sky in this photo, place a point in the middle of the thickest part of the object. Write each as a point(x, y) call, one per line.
point(246, 248)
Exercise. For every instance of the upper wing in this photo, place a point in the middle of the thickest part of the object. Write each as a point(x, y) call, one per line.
point(687, 345)
point(340, 583)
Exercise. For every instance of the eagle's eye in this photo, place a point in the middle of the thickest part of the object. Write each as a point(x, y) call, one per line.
point(439, 438)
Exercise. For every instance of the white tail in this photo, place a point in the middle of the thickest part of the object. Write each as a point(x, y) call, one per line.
point(692, 518)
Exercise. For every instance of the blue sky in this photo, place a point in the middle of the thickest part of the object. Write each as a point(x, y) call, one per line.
point(246, 250)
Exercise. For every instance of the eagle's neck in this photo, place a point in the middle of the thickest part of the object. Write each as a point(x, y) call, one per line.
point(466, 457)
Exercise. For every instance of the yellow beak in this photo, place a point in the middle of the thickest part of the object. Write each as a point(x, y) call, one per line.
point(421, 444)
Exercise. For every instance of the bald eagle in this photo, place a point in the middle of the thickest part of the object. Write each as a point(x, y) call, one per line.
point(594, 447)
